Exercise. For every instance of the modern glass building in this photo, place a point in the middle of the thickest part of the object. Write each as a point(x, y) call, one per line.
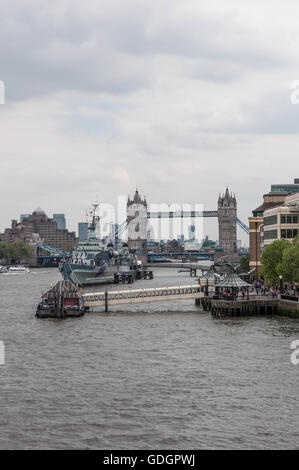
point(290, 188)
point(82, 230)
point(60, 220)
point(24, 216)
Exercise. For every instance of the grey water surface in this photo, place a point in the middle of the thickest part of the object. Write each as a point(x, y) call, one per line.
point(169, 376)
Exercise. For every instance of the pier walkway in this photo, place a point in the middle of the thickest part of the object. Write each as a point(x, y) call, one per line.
point(156, 294)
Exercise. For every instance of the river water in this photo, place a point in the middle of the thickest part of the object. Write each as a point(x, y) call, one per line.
point(167, 377)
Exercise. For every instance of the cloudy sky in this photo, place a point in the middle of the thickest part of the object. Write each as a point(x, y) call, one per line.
point(178, 97)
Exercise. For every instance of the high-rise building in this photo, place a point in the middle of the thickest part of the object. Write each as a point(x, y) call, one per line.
point(191, 232)
point(23, 216)
point(227, 212)
point(60, 221)
point(150, 234)
point(82, 230)
point(46, 228)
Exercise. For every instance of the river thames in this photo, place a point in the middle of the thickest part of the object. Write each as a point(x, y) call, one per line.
point(169, 377)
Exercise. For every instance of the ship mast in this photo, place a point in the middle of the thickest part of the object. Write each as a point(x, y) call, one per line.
point(93, 224)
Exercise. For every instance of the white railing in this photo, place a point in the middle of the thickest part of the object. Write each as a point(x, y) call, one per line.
point(100, 297)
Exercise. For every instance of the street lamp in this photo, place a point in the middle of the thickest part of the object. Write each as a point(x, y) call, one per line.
point(280, 284)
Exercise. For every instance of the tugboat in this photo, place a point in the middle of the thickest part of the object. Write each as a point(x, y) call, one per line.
point(91, 263)
point(61, 301)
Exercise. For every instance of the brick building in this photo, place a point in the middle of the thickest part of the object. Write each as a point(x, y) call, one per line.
point(256, 224)
point(39, 224)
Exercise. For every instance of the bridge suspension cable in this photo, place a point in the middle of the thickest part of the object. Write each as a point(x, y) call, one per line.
point(242, 225)
point(51, 249)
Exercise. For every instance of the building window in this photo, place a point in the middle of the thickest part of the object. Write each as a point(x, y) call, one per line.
point(270, 234)
point(289, 233)
point(271, 220)
point(289, 219)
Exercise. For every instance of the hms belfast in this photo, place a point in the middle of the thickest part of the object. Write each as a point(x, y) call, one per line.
point(91, 263)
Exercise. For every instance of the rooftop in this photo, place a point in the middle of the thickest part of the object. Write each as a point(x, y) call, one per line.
point(233, 280)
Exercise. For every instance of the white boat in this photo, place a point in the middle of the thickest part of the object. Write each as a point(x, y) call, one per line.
point(18, 270)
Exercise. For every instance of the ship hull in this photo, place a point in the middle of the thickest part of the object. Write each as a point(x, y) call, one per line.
point(87, 275)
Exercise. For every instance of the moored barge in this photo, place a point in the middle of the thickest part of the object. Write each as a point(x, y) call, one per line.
point(61, 301)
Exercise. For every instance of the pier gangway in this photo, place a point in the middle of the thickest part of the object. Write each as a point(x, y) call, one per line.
point(129, 296)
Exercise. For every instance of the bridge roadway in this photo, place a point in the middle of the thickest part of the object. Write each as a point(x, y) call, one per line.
point(181, 214)
point(179, 264)
point(129, 296)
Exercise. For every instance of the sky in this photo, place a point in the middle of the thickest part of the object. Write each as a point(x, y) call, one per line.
point(178, 97)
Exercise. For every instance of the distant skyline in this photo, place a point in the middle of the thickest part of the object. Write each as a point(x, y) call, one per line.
point(180, 98)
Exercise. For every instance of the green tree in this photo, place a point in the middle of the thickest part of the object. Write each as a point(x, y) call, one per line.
point(18, 251)
point(4, 251)
point(244, 264)
point(289, 266)
point(272, 257)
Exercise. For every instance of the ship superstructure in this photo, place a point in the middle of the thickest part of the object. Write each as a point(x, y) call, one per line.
point(91, 263)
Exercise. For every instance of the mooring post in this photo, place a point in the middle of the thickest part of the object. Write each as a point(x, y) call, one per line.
point(106, 301)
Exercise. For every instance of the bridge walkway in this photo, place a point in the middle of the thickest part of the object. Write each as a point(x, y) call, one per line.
point(129, 296)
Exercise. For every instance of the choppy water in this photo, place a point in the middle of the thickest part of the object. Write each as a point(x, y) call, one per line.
point(161, 379)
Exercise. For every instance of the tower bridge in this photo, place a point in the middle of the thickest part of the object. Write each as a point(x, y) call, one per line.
point(138, 214)
point(181, 214)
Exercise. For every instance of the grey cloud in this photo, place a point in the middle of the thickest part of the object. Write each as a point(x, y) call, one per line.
point(109, 46)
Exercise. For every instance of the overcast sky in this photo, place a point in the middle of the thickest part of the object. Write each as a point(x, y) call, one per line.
point(178, 97)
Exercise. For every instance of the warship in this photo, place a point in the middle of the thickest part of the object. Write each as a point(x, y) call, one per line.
point(92, 263)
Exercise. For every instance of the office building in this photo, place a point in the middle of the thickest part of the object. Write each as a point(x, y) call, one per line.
point(23, 216)
point(281, 221)
point(261, 234)
point(191, 233)
point(60, 221)
point(289, 188)
point(82, 230)
point(46, 228)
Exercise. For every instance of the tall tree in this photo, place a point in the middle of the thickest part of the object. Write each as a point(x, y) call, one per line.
point(18, 251)
point(4, 252)
point(289, 266)
point(271, 259)
point(244, 264)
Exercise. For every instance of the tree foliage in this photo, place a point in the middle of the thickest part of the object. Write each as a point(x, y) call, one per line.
point(272, 257)
point(289, 266)
point(4, 251)
point(15, 252)
point(244, 264)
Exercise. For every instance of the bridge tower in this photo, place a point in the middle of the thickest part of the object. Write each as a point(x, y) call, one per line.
point(137, 225)
point(227, 211)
